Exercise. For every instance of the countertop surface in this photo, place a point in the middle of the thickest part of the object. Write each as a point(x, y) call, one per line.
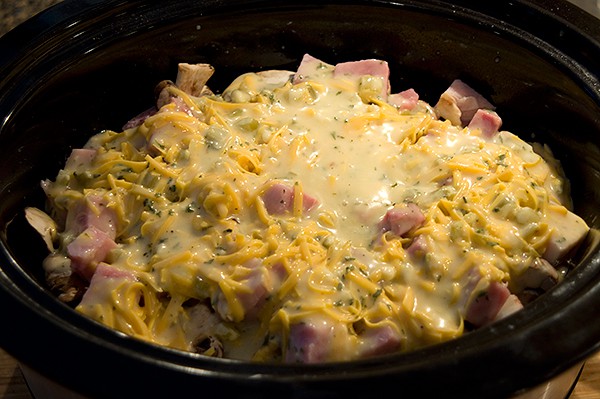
point(14, 386)
point(12, 383)
point(13, 12)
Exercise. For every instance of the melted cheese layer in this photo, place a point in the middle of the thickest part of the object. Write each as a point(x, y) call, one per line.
point(190, 189)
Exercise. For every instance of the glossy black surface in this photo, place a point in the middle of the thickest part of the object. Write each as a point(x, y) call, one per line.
point(88, 65)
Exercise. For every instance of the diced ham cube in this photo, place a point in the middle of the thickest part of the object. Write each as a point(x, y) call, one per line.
point(259, 284)
point(363, 67)
point(80, 158)
point(102, 283)
point(279, 199)
point(308, 66)
point(91, 211)
point(140, 118)
point(568, 231)
point(459, 103)
point(309, 342)
point(401, 219)
point(251, 300)
point(180, 106)
point(371, 67)
point(104, 270)
point(418, 247)
point(278, 273)
point(512, 305)
point(485, 305)
point(487, 121)
point(88, 249)
point(379, 341)
point(405, 100)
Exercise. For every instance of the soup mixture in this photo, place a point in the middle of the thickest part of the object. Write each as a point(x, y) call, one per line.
point(306, 216)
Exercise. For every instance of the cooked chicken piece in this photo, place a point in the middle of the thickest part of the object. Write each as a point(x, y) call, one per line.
point(192, 78)
point(43, 224)
point(569, 231)
point(68, 286)
point(460, 102)
point(540, 275)
point(204, 321)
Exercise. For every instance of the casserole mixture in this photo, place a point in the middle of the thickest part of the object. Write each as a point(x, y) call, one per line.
point(306, 216)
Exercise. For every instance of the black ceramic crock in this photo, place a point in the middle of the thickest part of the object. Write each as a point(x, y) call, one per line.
point(87, 65)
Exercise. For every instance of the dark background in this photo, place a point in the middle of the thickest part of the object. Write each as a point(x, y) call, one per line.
point(13, 12)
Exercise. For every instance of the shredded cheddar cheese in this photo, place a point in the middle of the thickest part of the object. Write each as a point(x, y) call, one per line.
point(267, 204)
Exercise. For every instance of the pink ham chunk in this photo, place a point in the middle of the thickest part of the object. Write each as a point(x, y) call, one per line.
point(401, 219)
point(363, 67)
point(92, 211)
point(251, 301)
point(568, 231)
point(308, 66)
point(88, 249)
point(460, 102)
point(260, 282)
point(309, 342)
point(100, 283)
point(140, 118)
point(379, 341)
point(254, 300)
point(509, 307)
point(487, 121)
point(279, 199)
point(418, 247)
point(405, 100)
point(105, 270)
point(80, 158)
point(371, 67)
point(486, 305)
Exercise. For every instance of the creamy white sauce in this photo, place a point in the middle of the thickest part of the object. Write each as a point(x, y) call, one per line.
point(191, 225)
